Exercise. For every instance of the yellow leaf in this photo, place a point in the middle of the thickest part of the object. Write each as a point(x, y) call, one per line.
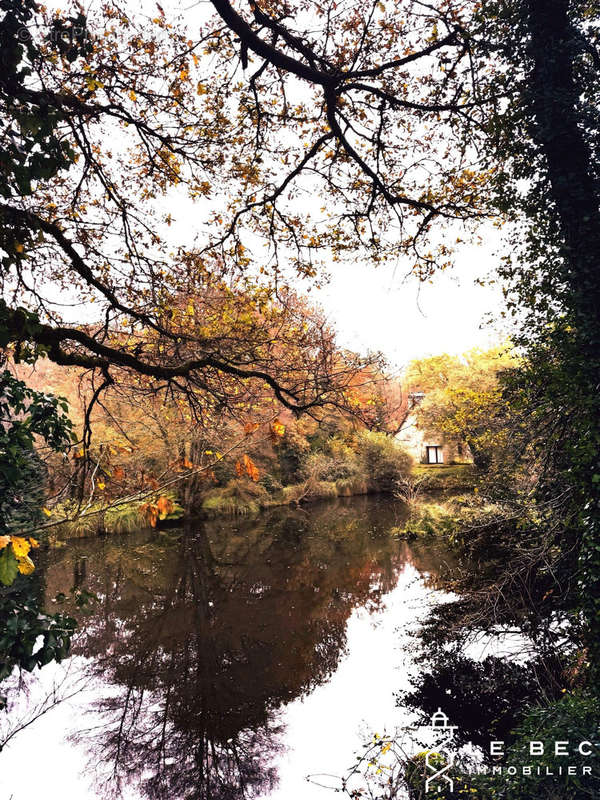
point(4, 540)
point(278, 428)
point(20, 546)
point(34, 542)
point(101, 484)
point(47, 511)
point(25, 565)
point(132, 96)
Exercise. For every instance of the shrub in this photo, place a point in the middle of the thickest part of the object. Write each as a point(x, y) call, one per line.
point(270, 483)
point(237, 498)
point(382, 460)
point(326, 467)
point(573, 718)
point(290, 454)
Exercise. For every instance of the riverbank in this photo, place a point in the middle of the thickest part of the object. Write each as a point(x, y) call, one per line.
point(244, 498)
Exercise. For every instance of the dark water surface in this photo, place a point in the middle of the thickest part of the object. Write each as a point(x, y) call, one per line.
point(226, 660)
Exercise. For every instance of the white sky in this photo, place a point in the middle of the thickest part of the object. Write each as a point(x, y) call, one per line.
point(380, 309)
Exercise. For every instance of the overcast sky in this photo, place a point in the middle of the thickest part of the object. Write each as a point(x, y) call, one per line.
point(380, 309)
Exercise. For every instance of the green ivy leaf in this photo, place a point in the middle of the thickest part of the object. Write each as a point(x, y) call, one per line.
point(8, 566)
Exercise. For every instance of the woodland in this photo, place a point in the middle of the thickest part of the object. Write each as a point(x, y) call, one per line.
point(175, 186)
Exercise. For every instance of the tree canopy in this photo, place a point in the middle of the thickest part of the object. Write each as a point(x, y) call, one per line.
point(250, 115)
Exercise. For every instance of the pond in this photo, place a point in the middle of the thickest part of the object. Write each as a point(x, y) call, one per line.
point(229, 659)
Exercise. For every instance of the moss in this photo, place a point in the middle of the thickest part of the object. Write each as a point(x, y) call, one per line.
point(317, 490)
point(325, 490)
point(292, 494)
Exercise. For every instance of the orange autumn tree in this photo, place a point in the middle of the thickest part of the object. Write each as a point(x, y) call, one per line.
point(289, 134)
point(150, 438)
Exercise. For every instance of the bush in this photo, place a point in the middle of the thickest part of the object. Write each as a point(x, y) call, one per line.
point(382, 460)
point(574, 718)
point(237, 498)
point(270, 484)
point(330, 467)
point(290, 453)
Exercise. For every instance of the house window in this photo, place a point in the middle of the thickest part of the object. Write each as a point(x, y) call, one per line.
point(435, 454)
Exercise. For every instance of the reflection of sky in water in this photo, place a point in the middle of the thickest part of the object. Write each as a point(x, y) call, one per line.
point(323, 723)
point(324, 729)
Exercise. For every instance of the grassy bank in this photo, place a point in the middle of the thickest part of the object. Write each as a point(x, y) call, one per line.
point(246, 498)
point(439, 477)
point(240, 497)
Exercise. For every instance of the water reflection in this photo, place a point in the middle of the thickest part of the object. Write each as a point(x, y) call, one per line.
point(201, 636)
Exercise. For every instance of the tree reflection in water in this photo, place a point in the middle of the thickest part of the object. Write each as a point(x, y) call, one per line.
point(204, 634)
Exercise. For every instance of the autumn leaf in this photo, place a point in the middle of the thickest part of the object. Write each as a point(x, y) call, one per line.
point(34, 542)
point(151, 513)
point(164, 506)
point(239, 469)
point(250, 427)
point(25, 565)
point(278, 428)
point(119, 474)
point(251, 468)
point(46, 511)
point(4, 541)
point(20, 546)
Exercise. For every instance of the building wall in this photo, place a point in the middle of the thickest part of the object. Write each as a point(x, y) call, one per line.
point(415, 441)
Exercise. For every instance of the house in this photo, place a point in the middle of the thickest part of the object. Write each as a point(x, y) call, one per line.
point(429, 446)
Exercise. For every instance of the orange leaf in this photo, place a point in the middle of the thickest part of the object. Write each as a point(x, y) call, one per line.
point(251, 468)
point(164, 506)
point(151, 513)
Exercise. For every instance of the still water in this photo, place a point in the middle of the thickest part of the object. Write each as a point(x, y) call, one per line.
point(229, 659)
